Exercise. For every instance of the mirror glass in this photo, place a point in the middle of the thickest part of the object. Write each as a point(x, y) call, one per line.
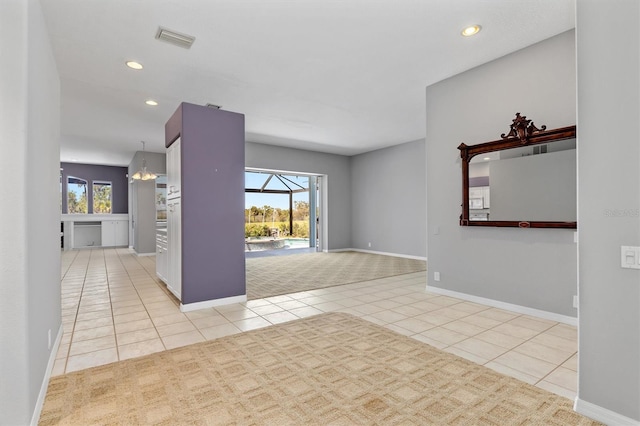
point(526, 179)
point(532, 183)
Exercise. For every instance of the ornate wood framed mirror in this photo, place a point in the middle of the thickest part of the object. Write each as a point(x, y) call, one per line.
point(526, 179)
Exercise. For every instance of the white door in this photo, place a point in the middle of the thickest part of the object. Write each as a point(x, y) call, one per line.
point(121, 233)
point(108, 233)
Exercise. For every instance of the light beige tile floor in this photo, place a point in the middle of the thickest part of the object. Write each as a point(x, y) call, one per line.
point(114, 308)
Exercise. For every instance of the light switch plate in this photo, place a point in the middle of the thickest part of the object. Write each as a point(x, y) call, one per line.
point(630, 257)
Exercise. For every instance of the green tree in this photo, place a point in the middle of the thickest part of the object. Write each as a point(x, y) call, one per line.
point(267, 213)
point(77, 206)
point(254, 212)
point(283, 215)
point(301, 210)
point(102, 198)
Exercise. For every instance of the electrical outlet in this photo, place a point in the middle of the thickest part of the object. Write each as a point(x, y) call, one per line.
point(49, 339)
point(575, 302)
point(369, 244)
point(436, 276)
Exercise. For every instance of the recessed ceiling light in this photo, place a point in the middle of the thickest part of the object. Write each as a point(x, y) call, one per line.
point(487, 158)
point(134, 65)
point(471, 30)
point(151, 102)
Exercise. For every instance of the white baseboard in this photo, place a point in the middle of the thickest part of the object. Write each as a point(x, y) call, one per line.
point(45, 381)
point(565, 319)
point(338, 250)
point(603, 415)
point(383, 253)
point(145, 254)
point(211, 303)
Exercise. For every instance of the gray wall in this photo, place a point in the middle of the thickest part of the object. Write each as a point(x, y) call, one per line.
point(609, 201)
point(29, 225)
point(94, 172)
point(142, 218)
point(387, 196)
point(338, 186)
point(529, 267)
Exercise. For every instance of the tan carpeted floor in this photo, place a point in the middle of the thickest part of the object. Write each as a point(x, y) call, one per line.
point(331, 369)
point(273, 276)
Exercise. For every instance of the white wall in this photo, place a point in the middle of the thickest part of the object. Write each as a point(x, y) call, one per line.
point(608, 206)
point(30, 216)
point(535, 268)
point(388, 203)
point(338, 188)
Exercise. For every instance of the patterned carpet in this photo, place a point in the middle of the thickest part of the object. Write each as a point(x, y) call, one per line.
point(331, 369)
point(273, 276)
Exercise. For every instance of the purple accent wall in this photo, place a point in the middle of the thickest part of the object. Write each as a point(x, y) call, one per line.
point(212, 153)
point(479, 181)
point(90, 172)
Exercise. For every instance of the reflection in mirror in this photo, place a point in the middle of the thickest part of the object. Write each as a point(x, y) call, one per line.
point(526, 179)
point(533, 182)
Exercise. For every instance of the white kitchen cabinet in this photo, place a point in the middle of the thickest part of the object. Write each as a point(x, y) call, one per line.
point(115, 233)
point(162, 261)
point(174, 169)
point(174, 247)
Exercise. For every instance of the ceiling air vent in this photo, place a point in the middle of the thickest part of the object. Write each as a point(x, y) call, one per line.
point(175, 38)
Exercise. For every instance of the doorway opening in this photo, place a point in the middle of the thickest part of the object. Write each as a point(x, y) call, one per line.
point(283, 211)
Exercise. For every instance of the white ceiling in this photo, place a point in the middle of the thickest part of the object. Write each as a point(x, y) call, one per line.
point(339, 76)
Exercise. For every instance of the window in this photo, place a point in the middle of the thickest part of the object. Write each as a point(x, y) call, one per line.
point(77, 201)
point(101, 197)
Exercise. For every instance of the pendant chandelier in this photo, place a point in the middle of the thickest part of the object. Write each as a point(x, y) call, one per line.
point(143, 173)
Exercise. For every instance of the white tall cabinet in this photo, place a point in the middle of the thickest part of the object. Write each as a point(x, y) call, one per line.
point(174, 220)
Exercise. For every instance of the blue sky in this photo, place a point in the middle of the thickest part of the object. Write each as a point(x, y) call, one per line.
point(256, 180)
